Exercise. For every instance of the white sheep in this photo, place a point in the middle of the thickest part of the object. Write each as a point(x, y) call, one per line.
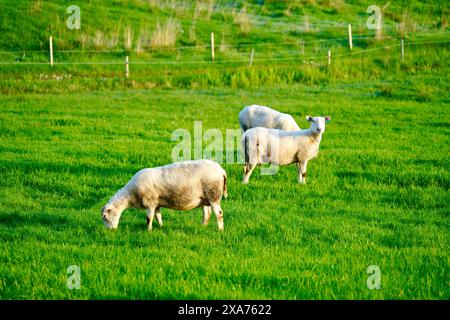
point(259, 116)
point(280, 147)
point(181, 186)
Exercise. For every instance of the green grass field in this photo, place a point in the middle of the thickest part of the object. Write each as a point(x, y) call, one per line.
point(72, 135)
point(377, 195)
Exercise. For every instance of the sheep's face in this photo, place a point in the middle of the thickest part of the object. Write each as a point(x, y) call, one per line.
point(110, 216)
point(318, 123)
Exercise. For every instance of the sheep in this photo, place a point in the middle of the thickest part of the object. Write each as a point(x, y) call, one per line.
point(280, 147)
point(181, 186)
point(259, 116)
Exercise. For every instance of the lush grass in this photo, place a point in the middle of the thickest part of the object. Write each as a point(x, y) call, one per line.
point(377, 195)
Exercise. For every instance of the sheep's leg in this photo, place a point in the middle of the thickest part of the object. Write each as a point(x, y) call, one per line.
point(248, 169)
point(299, 172)
point(159, 217)
point(206, 214)
point(150, 215)
point(302, 171)
point(219, 214)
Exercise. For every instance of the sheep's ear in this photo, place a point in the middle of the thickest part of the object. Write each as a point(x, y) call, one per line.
point(309, 118)
point(327, 119)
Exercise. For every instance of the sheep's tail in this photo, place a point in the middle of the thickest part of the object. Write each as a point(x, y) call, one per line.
point(225, 192)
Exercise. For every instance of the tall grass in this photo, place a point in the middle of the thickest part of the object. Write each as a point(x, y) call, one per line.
point(83, 39)
point(153, 4)
point(143, 41)
point(128, 37)
point(113, 40)
point(242, 20)
point(192, 33)
point(34, 6)
point(165, 34)
point(204, 8)
point(306, 24)
point(407, 25)
point(223, 47)
point(98, 40)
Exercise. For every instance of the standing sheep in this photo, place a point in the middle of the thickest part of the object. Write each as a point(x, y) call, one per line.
point(279, 147)
point(259, 116)
point(181, 186)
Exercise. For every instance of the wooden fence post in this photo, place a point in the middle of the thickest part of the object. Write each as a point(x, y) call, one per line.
point(251, 57)
point(51, 51)
point(127, 68)
point(403, 49)
point(212, 46)
point(329, 57)
point(350, 40)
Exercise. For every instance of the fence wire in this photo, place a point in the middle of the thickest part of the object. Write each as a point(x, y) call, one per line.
point(237, 60)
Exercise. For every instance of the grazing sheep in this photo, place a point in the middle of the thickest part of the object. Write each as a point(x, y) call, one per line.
point(280, 147)
point(182, 186)
point(259, 116)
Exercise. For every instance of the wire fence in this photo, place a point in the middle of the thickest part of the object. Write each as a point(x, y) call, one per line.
point(283, 53)
point(243, 59)
point(208, 46)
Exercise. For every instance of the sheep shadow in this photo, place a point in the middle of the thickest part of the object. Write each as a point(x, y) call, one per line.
point(60, 186)
point(14, 220)
point(58, 167)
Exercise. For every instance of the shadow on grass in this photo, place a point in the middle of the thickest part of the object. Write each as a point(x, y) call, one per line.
point(18, 219)
point(70, 195)
point(395, 178)
point(27, 166)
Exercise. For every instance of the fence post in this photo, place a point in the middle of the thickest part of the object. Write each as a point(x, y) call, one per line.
point(212, 46)
point(51, 51)
point(350, 40)
point(403, 49)
point(329, 57)
point(127, 69)
point(251, 57)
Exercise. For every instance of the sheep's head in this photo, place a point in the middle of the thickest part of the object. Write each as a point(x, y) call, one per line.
point(318, 123)
point(110, 216)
